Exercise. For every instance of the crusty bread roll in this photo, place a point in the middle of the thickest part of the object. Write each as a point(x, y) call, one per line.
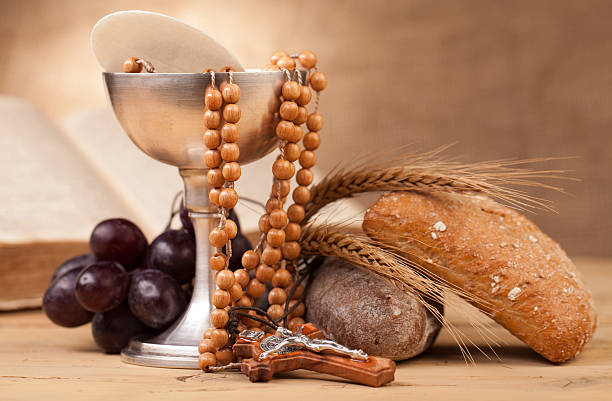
point(532, 287)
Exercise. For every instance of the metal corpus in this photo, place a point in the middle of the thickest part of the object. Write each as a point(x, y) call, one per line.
point(162, 115)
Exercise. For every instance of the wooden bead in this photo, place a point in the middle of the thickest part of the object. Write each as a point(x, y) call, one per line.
point(235, 292)
point(292, 232)
point(212, 119)
point(284, 129)
point(282, 278)
point(301, 195)
point(286, 63)
point(298, 292)
point(277, 56)
point(275, 311)
point(225, 356)
point(271, 67)
point(264, 223)
point(206, 345)
point(213, 99)
point(229, 197)
point(278, 218)
point(298, 311)
point(219, 337)
point(230, 132)
point(255, 288)
point(225, 279)
point(275, 237)
point(231, 93)
point(245, 300)
point(318, 81)
point(277, 296)
point(282, 169)
point(294, 323)
point(315, 122)
point(215, 178)
point(271, 256)
point(232, 113)
point(305, 96)
point(272, 204)
point(230, 152)
point(304, 177)
point(308, 159)
point(207, 359)
point(292, 152)
point(231, 229)
point(282, 186)
point(296, 135)
point(250, 259)
point(291, 250)
point(311, 141)
point(208, 332)
point(248, 321)
point(212, 139)
point(242, 276)
point(290, 90)
point(131, 65)
point(212, 158)
point(296, 213)
point(217, 261)
point(288, 110)
point(213, 196)
point(217, 237)
point(219, 318)
point(264, 273)
point(220, 298)
point(231, 171)
point(302, 116)
point(307, 59)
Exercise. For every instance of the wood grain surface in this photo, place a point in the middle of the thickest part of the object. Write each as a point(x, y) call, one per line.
point(42, 361)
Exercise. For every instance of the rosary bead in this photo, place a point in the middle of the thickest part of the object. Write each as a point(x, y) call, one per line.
point(304, 177)
point(242, 276)
point(275, 311)
point(232, 113)
point(250, 322)
point(290, 90)
point(298, 311)
point(212, 139)
point(230, 132)
point(208, 333)
point(298, 292)
point(219, 318)
point(213, 99)
point(231, 171)
point(318, 81)
point(264, 223)
point(212, 158)
point(213, 196)
point(245, 300)
point(219, 337)
point(271, 256)
point(235, 292)
point(207, 359)
point(315, 122)
point(285, 187)
point(302, 116)
point(217, 261)
point(296, 135)
point(278, 218)
point(311, 141)
point(231, 93)
point(292, 232)
point(221, 298)
point(215, 178)
point(229, 197)
point(288, 110)
point(264, 273)
point(132, 65)
point(284, 129)
point(212, 118)
point(308, 159)
point(271, 67)
point(292, 151)
point(217, 237)
point(277, 56)
point(307, 59)
point(286, 63)
point(282, 169)
point(291, 250)
point(293, 323)
point(230, 152)
point(225, 356)
point(277, 296)
point(301, 195)
point(225, 279)
point(296, 213)
point(275, 237)
point(206, 345)
point(282, 278)
point(272, 204)
point(250, 259)
point(231, 229)
point(255, 288)
point(305, 95)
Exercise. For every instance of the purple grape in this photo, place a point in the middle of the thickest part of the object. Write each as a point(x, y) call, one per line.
point(77, 262)
point(118, 240)
point(60, 303)
point(240, 245)
point(173, 252)
point(155, 298)
point(101, 286)
point(112, 330)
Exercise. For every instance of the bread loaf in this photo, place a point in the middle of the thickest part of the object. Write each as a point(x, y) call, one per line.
point(533, 289)
point(360, 309)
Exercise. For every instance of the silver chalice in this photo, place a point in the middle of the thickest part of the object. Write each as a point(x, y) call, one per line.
point(162, 114)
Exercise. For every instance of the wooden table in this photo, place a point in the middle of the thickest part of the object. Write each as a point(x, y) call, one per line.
point(41, 361)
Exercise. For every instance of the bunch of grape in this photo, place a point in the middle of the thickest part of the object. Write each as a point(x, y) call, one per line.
point(126, 287)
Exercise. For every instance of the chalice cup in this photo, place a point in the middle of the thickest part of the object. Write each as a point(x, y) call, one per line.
point(162, 113)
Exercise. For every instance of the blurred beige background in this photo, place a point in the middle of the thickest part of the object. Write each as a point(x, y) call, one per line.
point(513, 79)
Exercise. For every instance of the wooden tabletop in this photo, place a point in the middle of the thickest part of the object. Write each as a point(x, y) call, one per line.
point(41, 361)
